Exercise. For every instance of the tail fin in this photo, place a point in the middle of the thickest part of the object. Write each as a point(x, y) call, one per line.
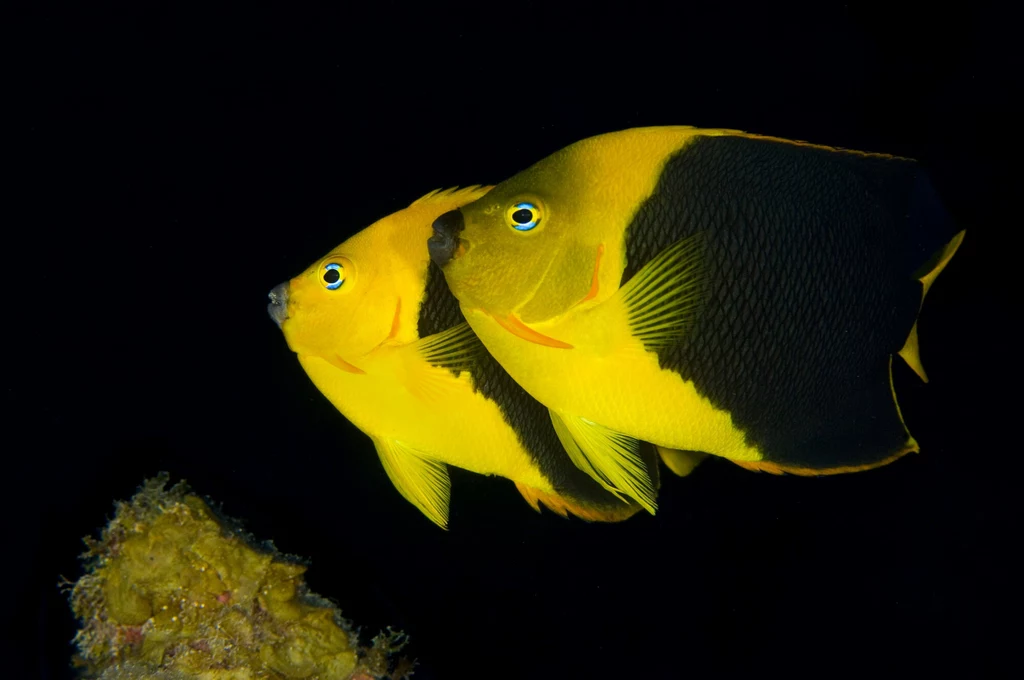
point(932, 241)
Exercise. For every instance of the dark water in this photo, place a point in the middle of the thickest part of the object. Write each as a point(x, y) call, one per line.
point(177, 166)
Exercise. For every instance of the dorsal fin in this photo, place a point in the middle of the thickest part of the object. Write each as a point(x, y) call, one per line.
point(469, 193)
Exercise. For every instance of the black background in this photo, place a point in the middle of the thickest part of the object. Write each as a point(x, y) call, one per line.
point(171, 166)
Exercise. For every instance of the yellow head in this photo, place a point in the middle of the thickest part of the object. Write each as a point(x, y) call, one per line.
point(367, 291)
point(550, 237)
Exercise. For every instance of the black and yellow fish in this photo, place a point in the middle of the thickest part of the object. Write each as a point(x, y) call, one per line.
point(377, 330)
point(707, 291)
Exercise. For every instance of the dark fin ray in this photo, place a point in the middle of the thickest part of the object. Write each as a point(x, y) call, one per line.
point(421, 480)
point(663, 298)
point(457, 349)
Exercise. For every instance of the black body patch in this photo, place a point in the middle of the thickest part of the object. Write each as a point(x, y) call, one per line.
point(527, 417)
point(810, 289)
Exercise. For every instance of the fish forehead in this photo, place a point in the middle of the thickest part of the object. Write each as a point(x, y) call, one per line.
point(587, 193)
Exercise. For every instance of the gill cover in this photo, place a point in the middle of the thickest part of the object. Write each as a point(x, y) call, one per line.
point(324, 299)
point(535, 266)
point(549, 238)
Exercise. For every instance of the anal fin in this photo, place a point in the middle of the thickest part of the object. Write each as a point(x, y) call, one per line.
point(422, 481)
point(681, 462)
point(610, 458)
point(882, 452)
point(783, 469)
point(564, 506)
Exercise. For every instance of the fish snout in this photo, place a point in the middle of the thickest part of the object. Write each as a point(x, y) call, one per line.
point(443, 244)
point(278, 307)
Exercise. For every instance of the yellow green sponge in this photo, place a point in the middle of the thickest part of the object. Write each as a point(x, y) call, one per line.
point(173, 590)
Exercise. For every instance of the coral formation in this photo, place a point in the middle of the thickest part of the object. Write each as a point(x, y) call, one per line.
point(174, 590)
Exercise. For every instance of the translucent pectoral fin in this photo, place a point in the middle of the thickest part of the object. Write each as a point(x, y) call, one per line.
point(421, 480)
point(430, 368)
point(456, 349)
point(662, 299)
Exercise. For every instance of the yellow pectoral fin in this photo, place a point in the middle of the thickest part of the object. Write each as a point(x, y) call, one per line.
point(429, 368)
point(421, 481)
point(610, 457)
point(513, 325)
point(680, 462)
point(662, 299)
point(456, 349)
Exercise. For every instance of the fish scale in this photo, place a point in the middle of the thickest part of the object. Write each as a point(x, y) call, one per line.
point(377, 331)
point(786, 339)
point(746, 295)
point(527, 417)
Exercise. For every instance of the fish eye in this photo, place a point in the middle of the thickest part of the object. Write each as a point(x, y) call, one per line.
point(333, 275)
point(523, 216)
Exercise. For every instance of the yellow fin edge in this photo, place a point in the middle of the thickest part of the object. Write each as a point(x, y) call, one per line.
point(469, 193)
point(560, 505)
point(910, 446)
point(421, 481)
point(911, 351)
point(680, 462)
point(611, 458)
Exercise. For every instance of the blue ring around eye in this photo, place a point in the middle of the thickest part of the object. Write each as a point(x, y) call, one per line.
point(334, 266)
point(526, 226)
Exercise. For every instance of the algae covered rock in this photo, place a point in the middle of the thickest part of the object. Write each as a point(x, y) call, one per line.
point(173, 590)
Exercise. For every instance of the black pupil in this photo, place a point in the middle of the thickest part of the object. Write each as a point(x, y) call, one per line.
point(332, 276)
point(522, 216)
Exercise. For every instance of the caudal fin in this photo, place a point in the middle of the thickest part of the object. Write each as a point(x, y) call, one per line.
point(932, 240)
point(911, 352)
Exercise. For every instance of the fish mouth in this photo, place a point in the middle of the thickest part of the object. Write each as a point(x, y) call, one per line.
point(445, 244)
point(278, 307)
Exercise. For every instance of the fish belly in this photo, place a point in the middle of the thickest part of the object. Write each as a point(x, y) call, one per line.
point(626, 391)
point(443, 418)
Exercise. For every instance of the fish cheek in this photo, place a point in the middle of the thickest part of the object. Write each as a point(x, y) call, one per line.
point(566, 282)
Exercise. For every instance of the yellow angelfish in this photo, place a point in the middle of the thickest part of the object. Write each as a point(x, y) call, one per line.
point(706, 291)
point(376, 329)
